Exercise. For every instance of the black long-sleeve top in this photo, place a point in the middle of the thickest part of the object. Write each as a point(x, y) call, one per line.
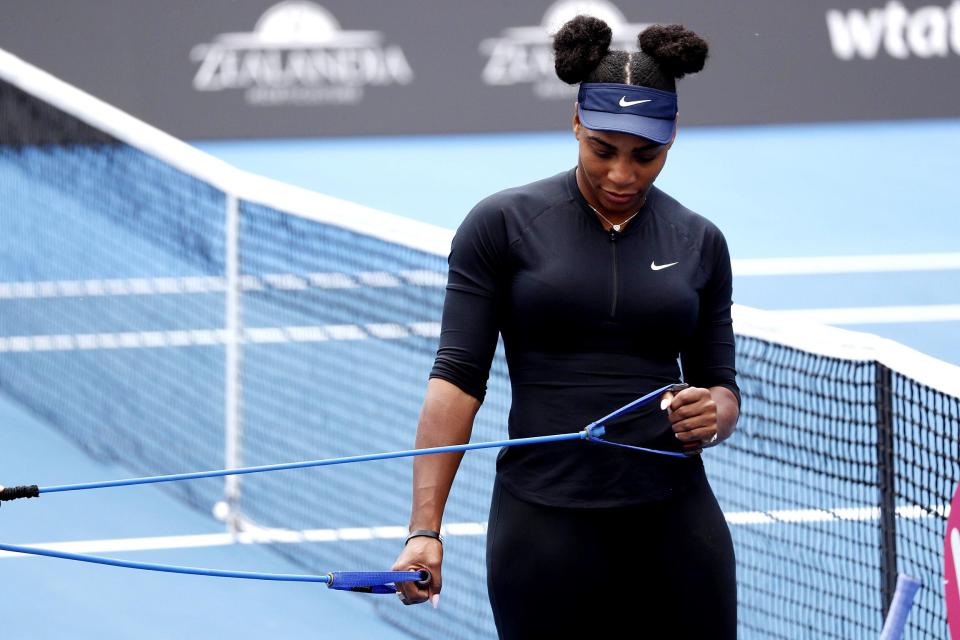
point(590, 319)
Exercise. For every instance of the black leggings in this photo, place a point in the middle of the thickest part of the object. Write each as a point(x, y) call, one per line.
point(659, 570)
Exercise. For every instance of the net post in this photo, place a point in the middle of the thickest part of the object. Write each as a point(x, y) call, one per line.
point(886, 481)
point(233, 352)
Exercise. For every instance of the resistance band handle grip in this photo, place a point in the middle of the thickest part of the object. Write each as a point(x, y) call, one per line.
point(373, 581)
point(15, 493)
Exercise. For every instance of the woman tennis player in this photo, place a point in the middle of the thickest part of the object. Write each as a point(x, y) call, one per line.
point(603, 288)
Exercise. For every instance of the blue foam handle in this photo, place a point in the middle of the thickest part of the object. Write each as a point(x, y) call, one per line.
point(373, 581)
point(896, 622)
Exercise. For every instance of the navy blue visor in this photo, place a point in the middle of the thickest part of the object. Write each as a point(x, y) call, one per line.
point(641, 111)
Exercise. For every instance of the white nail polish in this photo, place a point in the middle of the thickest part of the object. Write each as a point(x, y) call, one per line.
point(664, 403)
point(435, 600)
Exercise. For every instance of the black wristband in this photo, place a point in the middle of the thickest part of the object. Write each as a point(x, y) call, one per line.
point(426, 533)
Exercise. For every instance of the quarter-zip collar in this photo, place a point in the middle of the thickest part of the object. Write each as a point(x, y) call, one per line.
point(576, 195)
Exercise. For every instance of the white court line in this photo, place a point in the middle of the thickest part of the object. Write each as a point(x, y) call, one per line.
point(261, 535)
point(841, 514)
point(213, 337)
point(846, 264)
point(873, 315)
point(215, 284)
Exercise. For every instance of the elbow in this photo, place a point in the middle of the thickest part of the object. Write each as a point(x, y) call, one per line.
point(469, 379)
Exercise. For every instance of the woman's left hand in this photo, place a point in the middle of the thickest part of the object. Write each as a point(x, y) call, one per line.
point(693, 416)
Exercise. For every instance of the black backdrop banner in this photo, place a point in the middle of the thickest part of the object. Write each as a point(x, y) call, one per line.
point(256, 68)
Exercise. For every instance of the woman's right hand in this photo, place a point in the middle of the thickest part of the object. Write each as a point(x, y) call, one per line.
point(421, 553)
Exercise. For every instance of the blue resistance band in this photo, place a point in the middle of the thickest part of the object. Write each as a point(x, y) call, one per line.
point(358, 581)
point(591, 433)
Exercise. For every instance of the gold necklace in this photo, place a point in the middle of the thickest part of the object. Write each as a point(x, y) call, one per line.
point(615, 227)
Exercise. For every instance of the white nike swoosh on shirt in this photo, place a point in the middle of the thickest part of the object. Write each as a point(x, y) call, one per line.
point(629, 103)
point(657, 267)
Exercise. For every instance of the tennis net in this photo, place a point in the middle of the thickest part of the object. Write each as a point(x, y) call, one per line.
point(171, 313)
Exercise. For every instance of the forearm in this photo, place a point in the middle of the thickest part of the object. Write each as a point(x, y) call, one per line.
point(446, 418)
point(728, 411)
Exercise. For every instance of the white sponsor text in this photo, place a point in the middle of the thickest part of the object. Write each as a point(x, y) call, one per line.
point(926, 32)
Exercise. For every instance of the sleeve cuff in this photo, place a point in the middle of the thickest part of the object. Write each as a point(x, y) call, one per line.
point(478, 392)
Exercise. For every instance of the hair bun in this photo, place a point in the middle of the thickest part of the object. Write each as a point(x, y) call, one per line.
point(676, 49)
point(579, 46)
